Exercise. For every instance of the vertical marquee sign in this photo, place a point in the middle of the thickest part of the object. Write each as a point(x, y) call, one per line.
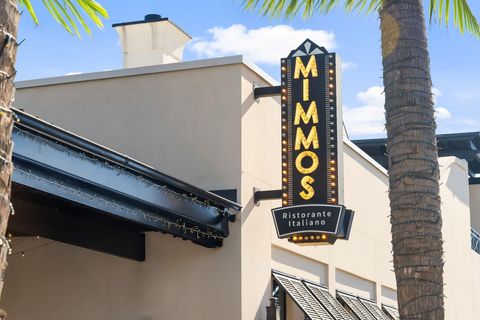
point(312, 173)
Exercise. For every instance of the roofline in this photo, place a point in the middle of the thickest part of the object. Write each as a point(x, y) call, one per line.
point(146, 70)
point(120, 24)
point(365, 156)
point(123, 24)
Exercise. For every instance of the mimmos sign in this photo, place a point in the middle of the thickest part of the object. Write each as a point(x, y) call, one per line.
point(312, 174)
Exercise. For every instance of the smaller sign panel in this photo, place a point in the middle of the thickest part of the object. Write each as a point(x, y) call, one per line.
point(314, 218)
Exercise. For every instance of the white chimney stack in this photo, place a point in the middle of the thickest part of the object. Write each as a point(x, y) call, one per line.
point(152, 41)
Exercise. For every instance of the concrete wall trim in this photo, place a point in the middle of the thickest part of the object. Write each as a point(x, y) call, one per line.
point(170, 67)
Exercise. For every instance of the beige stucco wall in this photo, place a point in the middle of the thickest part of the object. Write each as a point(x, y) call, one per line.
point(361, 265)
point(171, 120)
point(475, 206)
point(184, 123)
point(199, 122)
point(180, 280)
point(462, 286)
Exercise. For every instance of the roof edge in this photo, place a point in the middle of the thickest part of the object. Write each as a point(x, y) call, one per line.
point(137, 71)
point(365, 155)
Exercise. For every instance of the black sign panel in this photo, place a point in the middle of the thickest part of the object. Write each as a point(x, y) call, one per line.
point(311, 211)
point(316, 218)
point(309, 127)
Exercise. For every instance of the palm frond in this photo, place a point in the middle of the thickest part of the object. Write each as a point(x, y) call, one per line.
point(26, 4)
point(67, 13)
point(290, 8)
point(463, 17)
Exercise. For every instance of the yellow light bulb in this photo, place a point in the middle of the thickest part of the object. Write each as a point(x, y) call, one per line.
point(284, 69)
point(294, 238)
point(333, 184)
point(284, 149)
point(300, 238)
point(324, 237)
point(285, 195)
point(312, 237)
point(331, 71)
point(332, 168)
point(284, 179)
point(332, 176)
point(334, 200)
point(284, 171)
point(317, 237)
point(284, 98)
point(284, 142)
point(284, 127)
point(332, 161)
point(284, 164)
point(285, 202)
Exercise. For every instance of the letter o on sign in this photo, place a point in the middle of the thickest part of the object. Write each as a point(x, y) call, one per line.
point(313, 166)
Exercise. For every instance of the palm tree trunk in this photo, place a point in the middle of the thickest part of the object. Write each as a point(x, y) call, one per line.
point(413, 161)
point(9, 18)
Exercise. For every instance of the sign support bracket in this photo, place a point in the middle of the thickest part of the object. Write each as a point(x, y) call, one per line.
point(266, 195)
point(260, 92)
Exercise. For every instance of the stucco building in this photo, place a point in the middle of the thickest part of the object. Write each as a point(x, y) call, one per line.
point(198, 121)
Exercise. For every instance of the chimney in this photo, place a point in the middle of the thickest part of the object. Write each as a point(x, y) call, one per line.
point(152, 41)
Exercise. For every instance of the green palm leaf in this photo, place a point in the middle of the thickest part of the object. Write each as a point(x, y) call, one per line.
point(463, 17)
point(68, 13)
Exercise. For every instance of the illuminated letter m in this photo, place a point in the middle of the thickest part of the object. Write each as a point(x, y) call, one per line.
point(311, 66)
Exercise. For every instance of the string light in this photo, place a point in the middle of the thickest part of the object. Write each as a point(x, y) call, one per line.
point(24, 251)
point(6, 243)
point(149, 216)
point(284, 92)
point(9, 112)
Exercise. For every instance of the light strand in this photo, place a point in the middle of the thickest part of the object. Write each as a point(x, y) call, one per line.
point(149, 216)
point(82, 156)
point(22, 252)
point(9, 111)
point(5, 242)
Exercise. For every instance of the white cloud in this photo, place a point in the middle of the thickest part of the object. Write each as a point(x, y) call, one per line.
point(263, 45)
point(369, 118)
point(348, 65)
point(72, 73)
point(436, 93)
point(442, 113)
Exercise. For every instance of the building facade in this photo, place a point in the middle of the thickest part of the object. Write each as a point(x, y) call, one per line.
point(198, 121)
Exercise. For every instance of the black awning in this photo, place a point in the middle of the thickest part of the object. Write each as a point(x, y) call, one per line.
point(303, 298)
point(374, 309)
point(105, 190)
point(328, 301)
point(391, 312)
point(356, 307)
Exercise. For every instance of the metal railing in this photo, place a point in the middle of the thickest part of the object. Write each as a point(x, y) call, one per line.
point(476, 241)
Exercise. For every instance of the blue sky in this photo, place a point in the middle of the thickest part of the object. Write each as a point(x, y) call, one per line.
point(222, 27)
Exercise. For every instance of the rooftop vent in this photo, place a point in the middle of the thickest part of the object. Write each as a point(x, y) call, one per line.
point(154, 40)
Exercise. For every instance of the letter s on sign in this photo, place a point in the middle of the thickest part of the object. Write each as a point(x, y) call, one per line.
point(306, 184)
